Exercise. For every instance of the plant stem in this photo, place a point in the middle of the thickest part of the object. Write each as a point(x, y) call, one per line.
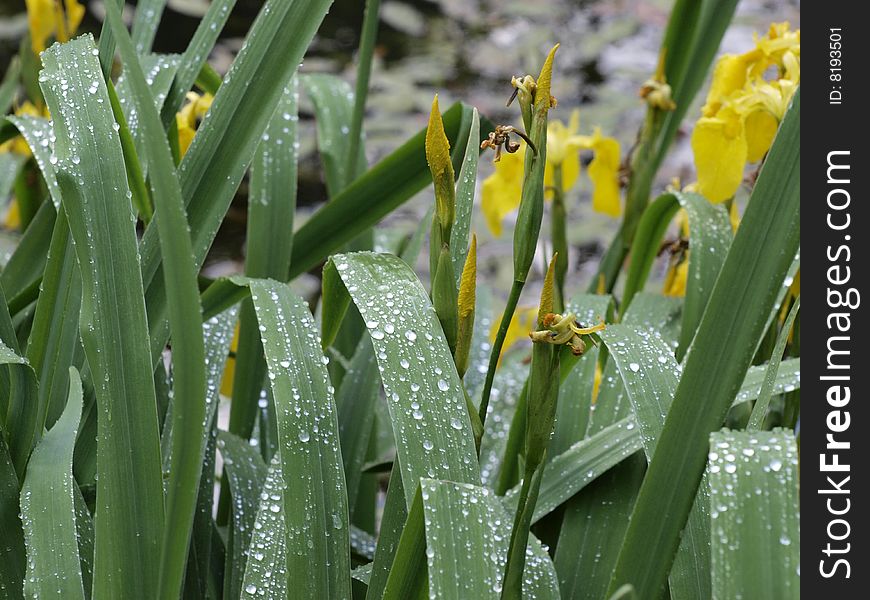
point(363, 73)
point(558, 216)
point(513, 300)
point(512, 588)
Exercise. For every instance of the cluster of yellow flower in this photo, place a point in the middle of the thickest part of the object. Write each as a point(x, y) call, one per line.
point(748, 98)
point(501, 191)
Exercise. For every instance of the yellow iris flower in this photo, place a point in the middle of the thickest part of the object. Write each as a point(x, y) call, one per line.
point(743, 110)
point(502, 190)
point(189, 117)
point(47, 18)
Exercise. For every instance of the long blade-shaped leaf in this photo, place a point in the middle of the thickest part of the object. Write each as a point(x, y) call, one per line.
point(12, 554)
point(48, 508)
point(333, 105)
point(709, 239)
point(596, 519)
point(148, 13)
point(650, 374)
point(266, 574)
point(54, 336)
point(425, 396)
point(755, 514)
point(356, 399)
point(466, 183)
point(246, 473)
point(90, 173)
point(195, 55)
point(741, 301)
point(271, 204)
point(225, 142)
point(185, 318)
point(20, 399)
point(467, 533)
point(579, 465)
point(315, 498)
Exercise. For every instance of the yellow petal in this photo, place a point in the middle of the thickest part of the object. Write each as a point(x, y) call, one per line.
point(438, 157)
point(13, 215)
point(734, 217)
point(675, 280)
point(468, 281)
point(570, 173)
point(41, 18)
point(542, 93)
point(760, 128)
point(728, 77)
point(185, 134)
point(548, 291)
point(75, 12)
point(230, 368)
point(501, 191)
point(596, 383)
point(720, 149)
point(604, 173)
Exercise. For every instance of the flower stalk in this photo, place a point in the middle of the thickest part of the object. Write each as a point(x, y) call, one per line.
point(540, 418)
point(535, 103)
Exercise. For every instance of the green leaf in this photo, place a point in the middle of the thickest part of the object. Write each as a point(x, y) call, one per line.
point(315, 505)
point(37, 132)
point(385, 186)
point(764, 394)
point(266, 575)
point(9, 85)
point(355, 402)
point(393, 523)
point(185, 319)
point(22, 272)
point(595, 520)
point(426, 400)
point(160, 69)
point(467, 532)
point(582, 463)
point(54, 335)
point(709, 239)
point(195, 55)
point(755, 514)
point(741, 300)
point(271, 204)
point(246, 473)
point(689, 53)
point(90, 173)
point(650, 374)
point(788, 379)
point(507, 391)
point(145, 23)
point(48, 508)
point(12, 553)
point(333, 110)
point(408, 575)
point(225, 142)
point(21, 405)
point(10, 165)
point(465, 186)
